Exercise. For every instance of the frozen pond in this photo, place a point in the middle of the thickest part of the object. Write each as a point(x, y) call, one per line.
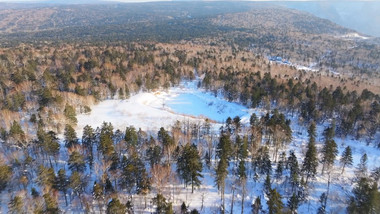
point(162, 108)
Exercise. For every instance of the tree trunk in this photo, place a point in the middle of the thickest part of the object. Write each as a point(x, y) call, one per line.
point(233, 198)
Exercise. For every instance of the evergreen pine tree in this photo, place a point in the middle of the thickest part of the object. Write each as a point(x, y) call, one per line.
point(256, 207)
point(221, 175)
point(76, 162)
point(61, 182)
point(223, 152)
point(70, 136)
point(46, 176)
point(366, 197)
point(15, 206)
point(5, 176)
point(279, 169)
point(346, 159)
point(183, 208)
point(275, 204)
point(241, 170)
point(310, 163)
point(189, 166)
point(106, 142)
point(162, 207)
point(70, 114)
point(267, 185)
point(329, 150)
point(293, 203)
point(115, 207)
point(131, 136)
point(51, 205)
point(167, 142)
point(17, 133)
point(362, 168)
point(77, 183)
point(262, 163)
point(322, 201)
point(294, 170)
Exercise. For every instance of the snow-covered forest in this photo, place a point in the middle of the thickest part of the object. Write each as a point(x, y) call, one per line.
point(186, 107)
point(172, 151)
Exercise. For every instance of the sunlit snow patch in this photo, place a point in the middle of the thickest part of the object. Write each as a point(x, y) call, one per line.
point(152, 110)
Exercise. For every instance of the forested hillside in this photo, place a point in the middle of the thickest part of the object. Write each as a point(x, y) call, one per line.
point(307, 142)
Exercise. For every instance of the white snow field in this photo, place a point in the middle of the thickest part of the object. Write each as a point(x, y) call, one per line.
point(152, 110)
point(162, 108)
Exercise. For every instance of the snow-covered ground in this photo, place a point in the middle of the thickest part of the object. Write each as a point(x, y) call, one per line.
point(162, 108)
point(152, 110)
point(354, 36)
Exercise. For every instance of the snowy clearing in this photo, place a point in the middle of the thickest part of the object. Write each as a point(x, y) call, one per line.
point(152, 110)
point(162, 108)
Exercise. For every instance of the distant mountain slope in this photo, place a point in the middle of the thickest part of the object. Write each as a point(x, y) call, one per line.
point(48, 16)
point(281, 19)
point(264, 28)
point(362, 16)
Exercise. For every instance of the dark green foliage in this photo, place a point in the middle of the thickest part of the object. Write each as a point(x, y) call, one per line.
point(15, 206)
point(70, 136)
point(165, 138)
point(294, 170)
point(279, 169)
point(46, 176)
point(106, 143)
point(163, 207)
point(77, 183)
point(194, 211)
point(362, 168)
point(76, 162)
point(183, 208)
point(62, 182)
point(366, 197)
point(293, 203)
point(241, 171)
point(275, 204)
point(34, 193)
point(323, 202)
point(134, 175)
point(88, 137)
point(15, 102)
point(98, 191)
point(131, 136)
point(256, 207)
point(17, 133)
point(224, 148)
point(143, 185)
point(267, 185)
point(51, 205)
point(310, 163)
point(154, 154)
point(46, 98)
point(346, 159)
point(115, 207)
point(189, 166)
point(70, 114)
point(330, 149)
point(262, 163)
point(49, 142)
